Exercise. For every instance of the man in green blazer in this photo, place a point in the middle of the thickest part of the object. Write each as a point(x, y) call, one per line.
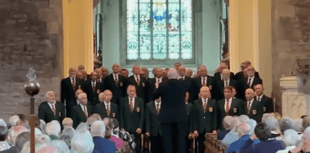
point(105, 108)
point(50, 109)
point(131, 115)
point(152, 126)
point(254, 108)
point(205, 116)
point(229, 106)
point(81, 112)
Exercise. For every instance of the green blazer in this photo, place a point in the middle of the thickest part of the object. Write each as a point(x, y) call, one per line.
point(46, 114)
point(236, 109)
point(101, 110)
point(256, 111)
point(206, 121)
point(77, 114)
point(128, 120)
point(152, 123)
point(191, 116)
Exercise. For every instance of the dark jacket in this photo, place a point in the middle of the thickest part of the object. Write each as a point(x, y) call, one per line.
point(101, 110)
point(46, 114)
point(118, 89)
point(205, 122)
point(152, 120)
point(78, 115)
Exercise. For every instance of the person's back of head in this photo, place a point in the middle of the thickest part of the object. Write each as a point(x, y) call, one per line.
point(306, 122)
point(53, 128)
point(243, 118)
point(109, 127)
point(21, 139)
point(82, 127)
point(67, 135)
point(13, 120)
point(97, 129)
point(41, 141)
point(291, 138)
point(262, 131)
point(298, 126)
point(14, 132)
point(243, 129)
point(82, 142)
point(3, 123)
point(3, 133)
point(273, 124)
point(286, 123)
point(227, 122)
point(265, 116)
point(172, 73)
point(60, 146)
point(252, 124)
point(306, 137)
point(67, 122)
point(234, 123)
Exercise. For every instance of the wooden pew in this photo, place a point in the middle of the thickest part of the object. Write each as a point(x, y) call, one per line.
point(212, 145)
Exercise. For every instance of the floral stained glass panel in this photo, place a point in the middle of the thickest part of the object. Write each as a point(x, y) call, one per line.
point(159, 30)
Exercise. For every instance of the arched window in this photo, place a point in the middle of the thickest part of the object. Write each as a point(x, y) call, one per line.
point(159, 31)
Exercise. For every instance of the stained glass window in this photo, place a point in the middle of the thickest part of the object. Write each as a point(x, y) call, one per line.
point(159, 29)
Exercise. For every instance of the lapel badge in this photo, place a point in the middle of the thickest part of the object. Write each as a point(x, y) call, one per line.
point(254, 112)
point(121, 84)
point(210, 109)
point(143, 84)
point(235, 110)
point(264, 109)
point(98, 91)
point(113, 115)
point(138, 109)
point(210, 87)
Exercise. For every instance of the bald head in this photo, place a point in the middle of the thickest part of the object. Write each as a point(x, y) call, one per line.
point(94, 76)
point(136, 69)
point(182, 71)
point(205, 92)
point(203, 71)
point(115, 68)
point(249, 94)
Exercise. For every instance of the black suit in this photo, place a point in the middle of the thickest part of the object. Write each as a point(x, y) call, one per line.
point(256, 111)
point(67, 92)
point(267, 104)
point(236, 109)
point(217, 76)
point(141, 88)
point(78, 115)
point(101, 110)
point(46, 114)
point(196, 85)
point(132, 120)
point(188, 80)
point(118, 89)
point(220, 88)
point(173, 115)
point(92, 94)
point(154, 128)
point(205, 121)
point(243, 85)
point(151, 85)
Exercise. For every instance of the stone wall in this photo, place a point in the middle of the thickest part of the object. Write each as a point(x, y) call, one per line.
point(30, 36)
point(290, 38)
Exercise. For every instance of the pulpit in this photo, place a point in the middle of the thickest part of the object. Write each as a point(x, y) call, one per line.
point(294, 103)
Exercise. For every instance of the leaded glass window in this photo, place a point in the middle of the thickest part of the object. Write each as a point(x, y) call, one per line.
point(159, 30)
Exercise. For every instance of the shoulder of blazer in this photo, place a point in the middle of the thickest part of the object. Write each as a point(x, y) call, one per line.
point(149, 104)
point(43, 104)
point(114, 105)
point(212, 100)
point(59, 104)
point(139, 100)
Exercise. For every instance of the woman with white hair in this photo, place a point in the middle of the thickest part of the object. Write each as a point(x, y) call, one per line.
point(97, 130)
point(232, 136)
point(291, 140)
point(305, 143)
point(252, 124)
point(286, 123)
point(53, 129)
point(41, 141)
point(82, 142)
point(67, 135)
point(273, 125)
point(298, 126)
point(227, 127)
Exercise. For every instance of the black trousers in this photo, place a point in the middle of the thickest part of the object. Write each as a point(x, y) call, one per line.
point(201, 139)
point(157, 144)
point(137, 141)
point(181, 129)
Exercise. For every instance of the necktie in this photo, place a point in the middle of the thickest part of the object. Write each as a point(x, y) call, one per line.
point(249, 82)
point(94, 86)
point(249, 105)
point(227, 106)
point(258, 99)
point(138, 80)
point(108, 109)
point(203, 81)
point(53, 109)
point(85, 112)
point(116, 79)
point(73, 82)
point(131, 104)
point(157, 108)
point(226, 83)
point(204, 105)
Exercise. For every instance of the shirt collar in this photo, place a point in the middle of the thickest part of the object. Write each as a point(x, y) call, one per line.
point(260, 97)
point(157, 102)
point(106, 103)
point(251, 101)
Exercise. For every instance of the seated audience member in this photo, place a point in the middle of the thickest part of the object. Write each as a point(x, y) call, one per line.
point(41, 141)
point(298, 126)
point(291, 139)
point(286, 123)
point(304, 146)
point(273, 126)
point(265, 116)
point(232, 136)
point(14, 132)
point(306, 122)
point(119, 143)
point(82, 127)
point(23, 120)
point(67, 122)
point(102, 144)
point(53, 129)
point(93, 118)
point(252, 124)
point(116, 128)
point(276, 115)
point(3, 135)
point(243, 118)
point(60, 146)
point(42, 125)
point(82, 142)
point(13, 120)
point(227, 127)
point(20, 141)
point(66, 135)
point(3, 123)
point(262, 132)
point(243, 134)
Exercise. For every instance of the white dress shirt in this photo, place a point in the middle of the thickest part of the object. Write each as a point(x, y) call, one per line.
point(133, 102)
point(249, 104)
point(206, 80)
point(225, 85)
point(106, 104)
point(159, 80)
point(252, 79)
point(115, 76)
point(156, 105)
point(51, 105)
point(204, 101)
point(259, 98)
